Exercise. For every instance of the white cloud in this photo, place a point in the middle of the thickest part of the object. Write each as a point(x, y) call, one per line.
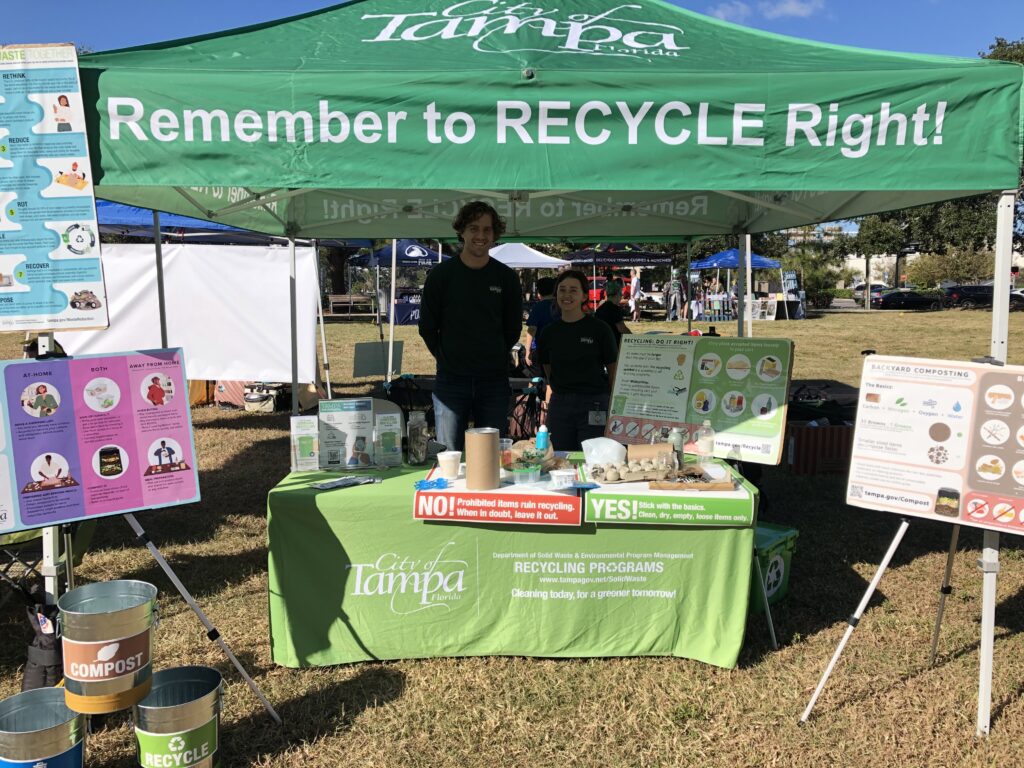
point(733, 10)
point(775, 9)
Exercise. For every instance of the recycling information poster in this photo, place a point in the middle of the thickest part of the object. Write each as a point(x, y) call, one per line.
point(50, 272)
point(940, 439)
point(94, 435)
point(740, 385)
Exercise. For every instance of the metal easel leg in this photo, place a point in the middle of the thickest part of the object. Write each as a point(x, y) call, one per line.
point(764, 597)
point(944, 592)
point(211, 631)
point(855, 618)
point(989, 565)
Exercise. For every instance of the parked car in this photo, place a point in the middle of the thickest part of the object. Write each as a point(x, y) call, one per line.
point(969, 296)
point(597, 292)
point(876, 290)
point(903, 299)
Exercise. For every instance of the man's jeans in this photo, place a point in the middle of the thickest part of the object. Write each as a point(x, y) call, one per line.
point(484, 400)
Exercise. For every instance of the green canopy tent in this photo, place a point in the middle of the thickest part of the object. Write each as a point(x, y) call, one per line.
point(378, 118)
point(374, 119)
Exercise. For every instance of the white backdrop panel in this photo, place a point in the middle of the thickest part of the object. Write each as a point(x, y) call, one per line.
point(227, 307)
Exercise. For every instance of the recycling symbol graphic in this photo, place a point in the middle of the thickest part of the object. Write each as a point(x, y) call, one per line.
point(176, 744)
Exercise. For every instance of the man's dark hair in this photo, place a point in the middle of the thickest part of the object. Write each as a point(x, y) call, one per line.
point(470, 212)
point(546, 286)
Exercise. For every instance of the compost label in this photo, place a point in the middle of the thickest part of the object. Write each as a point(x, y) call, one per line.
point(106, 660)
point(71, 758)
point(177, 750)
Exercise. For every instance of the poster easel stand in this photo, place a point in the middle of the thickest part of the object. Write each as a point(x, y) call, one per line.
point(944, 591)
point(989, 566)
point(211, 631)
point(855, 618)
point(52, 567)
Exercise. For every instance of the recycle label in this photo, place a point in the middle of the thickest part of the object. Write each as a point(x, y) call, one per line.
point(177, 750)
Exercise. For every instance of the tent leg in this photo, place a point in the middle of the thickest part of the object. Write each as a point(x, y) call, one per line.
point(293, 302)
point(689, 289)
point(391, 312)
point(785, 294)
point(746, 286)
point(741, 299)
point(160, 297)
point(320, 319)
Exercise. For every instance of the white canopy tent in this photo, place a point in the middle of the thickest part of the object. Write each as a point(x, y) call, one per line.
point(522, 256)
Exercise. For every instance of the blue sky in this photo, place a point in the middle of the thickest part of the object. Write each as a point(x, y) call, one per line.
point(953, 27)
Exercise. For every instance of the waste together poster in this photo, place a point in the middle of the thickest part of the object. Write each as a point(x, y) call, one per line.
point(942, 440)
point(51, 277)
point(740, 385)
point(92, 436)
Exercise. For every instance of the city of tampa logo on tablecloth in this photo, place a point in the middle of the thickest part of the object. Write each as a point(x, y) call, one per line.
point(411, 584)
point(502, 26)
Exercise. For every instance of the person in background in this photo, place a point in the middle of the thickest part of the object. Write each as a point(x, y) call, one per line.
point(578, 354)
point(543, 313)
point(610, 277)
point(470, 316)
point(634, 295)
point(611, 312)
point(676, 309)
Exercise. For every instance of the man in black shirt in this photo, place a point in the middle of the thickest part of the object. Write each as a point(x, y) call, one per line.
point(611, 312)
point(470, 316)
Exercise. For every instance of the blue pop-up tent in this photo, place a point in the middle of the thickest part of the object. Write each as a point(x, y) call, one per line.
point(130, 221)
point(730, 259)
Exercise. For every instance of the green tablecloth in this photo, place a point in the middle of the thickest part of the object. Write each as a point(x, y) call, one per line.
point(353, 577)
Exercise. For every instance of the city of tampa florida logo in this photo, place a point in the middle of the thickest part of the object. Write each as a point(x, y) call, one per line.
point(608, 33)
point(410, 584)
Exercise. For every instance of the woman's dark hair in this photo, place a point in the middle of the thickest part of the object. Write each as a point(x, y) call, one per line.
point(470, 212)
point(571, 274)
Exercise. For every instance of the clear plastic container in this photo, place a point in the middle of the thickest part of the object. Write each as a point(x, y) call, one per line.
point(526, 475)
point(704, 439)
point(417, 438)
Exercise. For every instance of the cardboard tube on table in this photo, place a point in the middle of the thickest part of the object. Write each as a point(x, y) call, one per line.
point(482, 459)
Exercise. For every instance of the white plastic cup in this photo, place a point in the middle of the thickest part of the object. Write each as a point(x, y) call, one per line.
point(448, 464)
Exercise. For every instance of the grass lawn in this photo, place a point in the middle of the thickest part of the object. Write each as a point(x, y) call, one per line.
point(883, 706)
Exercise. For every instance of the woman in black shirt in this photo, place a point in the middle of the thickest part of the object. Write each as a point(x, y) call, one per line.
point(578, 353)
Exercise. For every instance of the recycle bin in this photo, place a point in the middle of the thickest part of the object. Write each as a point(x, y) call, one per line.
point(774, 545)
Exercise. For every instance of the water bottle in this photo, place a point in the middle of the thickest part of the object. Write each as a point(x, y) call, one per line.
point(543, 438)
point(705, 441)
point(675, 439)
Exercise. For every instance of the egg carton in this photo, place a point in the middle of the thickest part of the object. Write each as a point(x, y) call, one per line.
point(628, 472)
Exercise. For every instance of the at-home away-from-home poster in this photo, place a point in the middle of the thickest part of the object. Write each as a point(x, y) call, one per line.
point(91, 436)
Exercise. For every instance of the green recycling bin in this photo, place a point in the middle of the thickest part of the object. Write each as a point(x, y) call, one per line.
point(774, 545)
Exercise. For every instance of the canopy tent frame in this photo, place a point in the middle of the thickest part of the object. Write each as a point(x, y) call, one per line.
point(741, 187)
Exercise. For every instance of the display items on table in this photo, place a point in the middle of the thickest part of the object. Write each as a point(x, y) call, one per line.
point(940, 439)
point(387, 440)
point(305, 443)
point(710, 495)
point(483, 457)
point(346, 433)
point(418, 438)
point(94, 435)
point(740, 386)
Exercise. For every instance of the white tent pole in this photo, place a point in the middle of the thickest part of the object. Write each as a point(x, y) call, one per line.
point(785, 294)
point(440, 253)
point(741, 279)
point(747, 286)
point(689, 289)
point(320, 318)
point(989, 562)
point(160, 299)
point(391, 309)
point(376, 295)
point(293, 305)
